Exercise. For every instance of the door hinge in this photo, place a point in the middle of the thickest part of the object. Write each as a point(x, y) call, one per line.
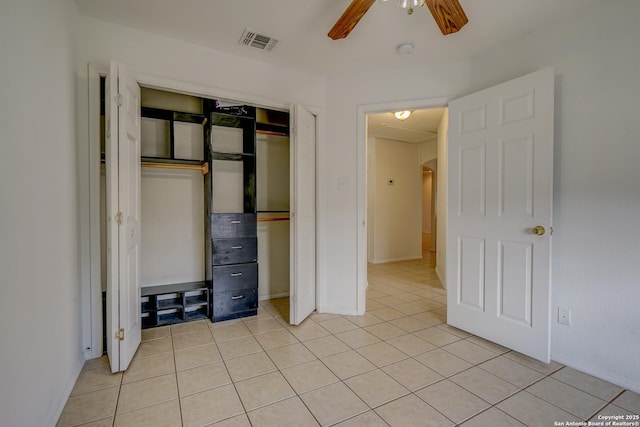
point(294, 299)
point(120, 334)
point(119, 100)
point(119, 218)
point(294, 131)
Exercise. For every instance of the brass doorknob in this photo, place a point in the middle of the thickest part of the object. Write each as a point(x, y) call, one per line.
point(538, 230)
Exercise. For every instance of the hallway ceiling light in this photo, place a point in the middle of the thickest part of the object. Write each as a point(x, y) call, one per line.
point(405, 48)
point(402, 115)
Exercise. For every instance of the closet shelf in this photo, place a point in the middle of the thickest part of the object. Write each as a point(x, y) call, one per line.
point(176, 303)
point(178, 116)
point(173, 288)
point(272, 129)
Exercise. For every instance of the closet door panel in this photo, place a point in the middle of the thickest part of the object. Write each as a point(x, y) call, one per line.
point(235, 251)
point(234, 277)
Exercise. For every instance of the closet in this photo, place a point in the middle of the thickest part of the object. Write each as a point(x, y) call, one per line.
point(273, 202)
point(215, 192)
point(173, 285)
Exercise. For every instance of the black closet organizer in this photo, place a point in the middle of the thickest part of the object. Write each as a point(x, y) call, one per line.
point(230, 289)
point(230, 212)
point(178, 302)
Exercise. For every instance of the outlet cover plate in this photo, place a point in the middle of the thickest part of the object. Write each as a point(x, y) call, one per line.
point(564, 316)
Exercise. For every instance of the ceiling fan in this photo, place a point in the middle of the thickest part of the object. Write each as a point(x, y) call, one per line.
point(448, 14)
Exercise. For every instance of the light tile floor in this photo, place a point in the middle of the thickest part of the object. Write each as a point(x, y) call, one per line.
point(397, 365)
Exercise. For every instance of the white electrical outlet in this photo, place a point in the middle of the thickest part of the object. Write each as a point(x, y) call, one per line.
point(564, 316)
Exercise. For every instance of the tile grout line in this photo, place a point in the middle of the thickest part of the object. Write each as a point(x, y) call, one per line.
point(283, 376)
point(400, 286)
point(175, 370)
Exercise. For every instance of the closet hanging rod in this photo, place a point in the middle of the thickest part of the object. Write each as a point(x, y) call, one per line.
point(272, 133)
point(273, 219)
point(204, 168)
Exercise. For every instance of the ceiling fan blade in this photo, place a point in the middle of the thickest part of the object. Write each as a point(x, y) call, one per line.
point(350, 18)
point(448, 15)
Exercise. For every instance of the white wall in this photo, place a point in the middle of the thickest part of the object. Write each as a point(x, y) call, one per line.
point(596, 175)
point(428, 154)
point(398, 211)
point(272, 194)
point(371, 195)
point(427, 184)
point(343, 163)
point(273, 258)
point(441, 199)
point(39, 253)
point(149, 54)
point(428, 150)
point(172, 248)
point(433, 165)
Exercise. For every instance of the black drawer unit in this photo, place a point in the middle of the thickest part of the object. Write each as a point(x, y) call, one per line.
point(238, 276)
point(233, 225)
point(234, 251)
point(230, 212)
point(234, 304)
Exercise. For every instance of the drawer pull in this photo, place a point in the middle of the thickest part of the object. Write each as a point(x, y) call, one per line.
point(236, 222)
point(238, 297)
point(235, 274)
point(236, 247)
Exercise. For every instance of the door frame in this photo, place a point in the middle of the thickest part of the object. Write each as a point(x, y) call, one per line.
point(91, 292)
point(361, 185)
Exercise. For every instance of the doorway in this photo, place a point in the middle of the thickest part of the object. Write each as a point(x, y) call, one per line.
point(401, 184)
point(429, 206)
point(364, 202)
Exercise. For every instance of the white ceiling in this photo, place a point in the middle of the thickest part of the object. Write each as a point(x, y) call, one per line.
point(421, 126)
point(301, 28)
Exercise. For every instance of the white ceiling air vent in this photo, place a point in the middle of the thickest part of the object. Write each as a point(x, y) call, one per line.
point(259, 41)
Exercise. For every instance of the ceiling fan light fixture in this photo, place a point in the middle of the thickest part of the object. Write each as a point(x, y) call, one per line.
point(448, 14)
point(402, 115)
point(406, 4)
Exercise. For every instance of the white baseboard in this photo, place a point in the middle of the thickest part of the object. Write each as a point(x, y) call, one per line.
point(444, 285)
point(384, 260)
point(273, 296)
point(67, 392)
point(603, 375)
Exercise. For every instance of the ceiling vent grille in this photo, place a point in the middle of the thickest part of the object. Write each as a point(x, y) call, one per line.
point(259, 41)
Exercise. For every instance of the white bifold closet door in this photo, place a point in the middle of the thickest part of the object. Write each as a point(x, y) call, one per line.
point(303, 216)
point(122, 154)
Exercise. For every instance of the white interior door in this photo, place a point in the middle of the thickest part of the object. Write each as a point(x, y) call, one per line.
point(303, 216)
point(500, 167)
point(123, 216)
